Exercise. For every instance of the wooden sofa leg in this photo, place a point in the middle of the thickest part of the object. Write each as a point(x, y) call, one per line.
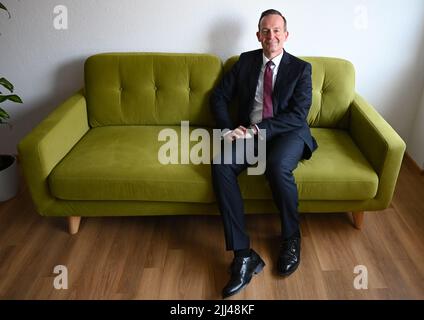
point(73, 224)
point(358, 218)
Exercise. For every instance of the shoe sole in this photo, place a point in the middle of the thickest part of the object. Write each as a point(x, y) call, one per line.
point(257, 270)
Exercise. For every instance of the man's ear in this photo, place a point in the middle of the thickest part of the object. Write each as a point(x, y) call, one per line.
point(258, 36)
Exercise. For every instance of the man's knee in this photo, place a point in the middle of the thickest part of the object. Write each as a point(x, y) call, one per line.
point(280, 174)
point(280, 167)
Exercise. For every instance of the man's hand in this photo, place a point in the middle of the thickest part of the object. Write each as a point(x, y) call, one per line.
point(239, 133)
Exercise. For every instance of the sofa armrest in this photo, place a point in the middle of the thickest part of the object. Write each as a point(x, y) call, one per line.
point(42, 149)
point(380, 144)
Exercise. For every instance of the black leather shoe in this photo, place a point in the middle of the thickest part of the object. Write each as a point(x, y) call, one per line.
point(242, 270)
point(289, 258)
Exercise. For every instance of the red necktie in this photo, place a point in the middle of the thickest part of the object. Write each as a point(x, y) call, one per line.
point(267, 111)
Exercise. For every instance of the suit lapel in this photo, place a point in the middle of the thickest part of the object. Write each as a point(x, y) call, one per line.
point(255, 70)
point(282, 77)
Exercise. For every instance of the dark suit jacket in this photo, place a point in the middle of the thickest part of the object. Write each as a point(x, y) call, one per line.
point(292, 97)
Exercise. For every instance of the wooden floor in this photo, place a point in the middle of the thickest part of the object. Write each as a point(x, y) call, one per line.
point(184, 258)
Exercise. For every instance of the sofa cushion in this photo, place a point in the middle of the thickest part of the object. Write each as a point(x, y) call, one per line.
point(121, 163)
point(146, 88)
point(336, 171)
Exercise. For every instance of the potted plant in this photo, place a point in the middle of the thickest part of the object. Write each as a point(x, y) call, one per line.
point(8, 168)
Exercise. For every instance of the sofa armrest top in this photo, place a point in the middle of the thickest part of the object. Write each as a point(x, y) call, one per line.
point(49, 142)
point(379, 143)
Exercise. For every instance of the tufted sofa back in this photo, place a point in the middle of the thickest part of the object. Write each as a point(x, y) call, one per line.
point(150, 88)
point(333, 89)
point(165, 88)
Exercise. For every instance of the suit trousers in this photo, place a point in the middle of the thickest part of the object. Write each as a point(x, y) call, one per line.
point(282, 156)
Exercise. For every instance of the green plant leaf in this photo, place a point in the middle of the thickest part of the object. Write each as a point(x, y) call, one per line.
point(5, 9)
point(5, 83)
point(3, 113)
point(11, 97)
point(3, 116)
point(15, 98)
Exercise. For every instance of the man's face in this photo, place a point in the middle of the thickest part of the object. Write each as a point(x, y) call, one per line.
point(272, 35)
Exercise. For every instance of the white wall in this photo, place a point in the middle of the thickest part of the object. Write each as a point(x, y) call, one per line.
point(383, 38)
point(416, 141)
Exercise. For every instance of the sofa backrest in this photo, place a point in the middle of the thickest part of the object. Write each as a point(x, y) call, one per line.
point(150, 88)
point(333, 90)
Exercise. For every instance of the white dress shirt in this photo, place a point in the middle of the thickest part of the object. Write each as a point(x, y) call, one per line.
point(256, 114)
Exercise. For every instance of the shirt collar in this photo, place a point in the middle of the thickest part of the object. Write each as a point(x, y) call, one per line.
point(276, 60)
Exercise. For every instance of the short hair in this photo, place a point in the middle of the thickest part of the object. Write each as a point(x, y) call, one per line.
point(270, 12)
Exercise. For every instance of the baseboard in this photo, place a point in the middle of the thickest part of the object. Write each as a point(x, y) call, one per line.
point(415, 165)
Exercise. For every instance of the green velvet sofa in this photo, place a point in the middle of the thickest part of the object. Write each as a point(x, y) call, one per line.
point(97, 153)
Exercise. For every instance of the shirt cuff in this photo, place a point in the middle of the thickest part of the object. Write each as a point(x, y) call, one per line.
point(259, 133)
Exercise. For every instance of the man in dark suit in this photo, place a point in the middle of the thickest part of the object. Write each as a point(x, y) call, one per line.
point(274, 94)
